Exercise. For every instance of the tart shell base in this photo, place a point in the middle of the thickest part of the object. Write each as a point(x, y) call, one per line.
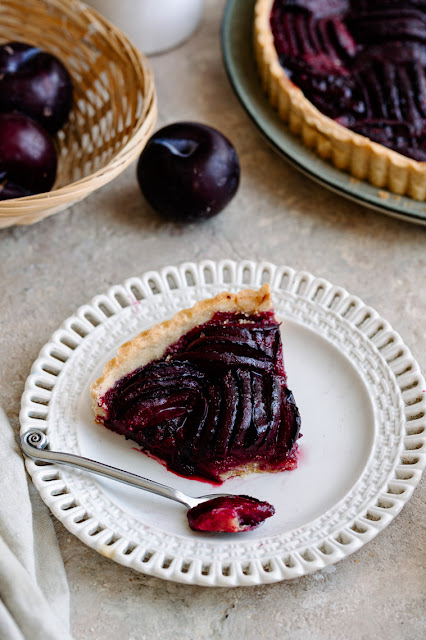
point(348, 151)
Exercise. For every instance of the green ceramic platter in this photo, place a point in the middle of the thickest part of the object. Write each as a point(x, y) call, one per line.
point(239, 62)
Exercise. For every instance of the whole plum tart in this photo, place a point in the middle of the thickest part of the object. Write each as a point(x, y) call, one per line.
point(205, 393)
point(349, 76)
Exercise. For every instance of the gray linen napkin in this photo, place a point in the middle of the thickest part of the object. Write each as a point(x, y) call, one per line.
point(34, 595)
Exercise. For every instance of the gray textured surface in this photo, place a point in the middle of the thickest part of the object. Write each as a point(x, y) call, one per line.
point(49, 269)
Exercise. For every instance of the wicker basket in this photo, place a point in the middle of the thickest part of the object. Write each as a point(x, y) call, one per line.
point(114, 109)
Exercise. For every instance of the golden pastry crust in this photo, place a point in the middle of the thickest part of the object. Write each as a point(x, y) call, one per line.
point(252, 467)
point(151, 345)
point(348, 151)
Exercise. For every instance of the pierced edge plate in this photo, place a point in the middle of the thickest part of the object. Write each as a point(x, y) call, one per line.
point(240, 67)
point(394, 469)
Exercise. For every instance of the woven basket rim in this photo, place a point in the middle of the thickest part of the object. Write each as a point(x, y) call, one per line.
point(16, 208)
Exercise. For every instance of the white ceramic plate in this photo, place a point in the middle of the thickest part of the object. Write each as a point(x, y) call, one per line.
point(360, 394)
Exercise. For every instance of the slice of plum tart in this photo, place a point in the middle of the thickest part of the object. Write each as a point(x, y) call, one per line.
point(205, 393)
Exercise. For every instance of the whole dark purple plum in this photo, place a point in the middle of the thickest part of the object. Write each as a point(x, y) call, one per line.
point(28, 158)
point(188, 171)
point(36, 83)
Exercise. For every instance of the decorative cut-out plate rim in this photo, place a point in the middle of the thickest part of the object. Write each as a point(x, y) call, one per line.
point(340, 531)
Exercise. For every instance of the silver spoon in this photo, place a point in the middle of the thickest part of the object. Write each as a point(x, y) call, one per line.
point(34, 443)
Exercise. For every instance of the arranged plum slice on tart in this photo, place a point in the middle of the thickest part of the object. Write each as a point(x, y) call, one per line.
point(205, 392)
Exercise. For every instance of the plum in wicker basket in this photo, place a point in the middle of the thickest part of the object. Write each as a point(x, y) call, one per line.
point(114, 110)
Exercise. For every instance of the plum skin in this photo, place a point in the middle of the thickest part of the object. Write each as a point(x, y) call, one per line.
point(28, 158)
point(35, 83)
point(188, 171)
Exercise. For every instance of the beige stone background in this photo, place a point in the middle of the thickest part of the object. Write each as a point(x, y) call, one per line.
point(49, 269)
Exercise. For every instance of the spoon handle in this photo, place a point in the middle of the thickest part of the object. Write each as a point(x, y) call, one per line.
point(34, 443)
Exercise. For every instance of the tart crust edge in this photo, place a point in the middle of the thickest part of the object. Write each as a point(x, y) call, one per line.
point(151, 344)
point(347, 150)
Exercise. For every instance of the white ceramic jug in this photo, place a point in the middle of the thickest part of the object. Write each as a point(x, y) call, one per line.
point(153, 25)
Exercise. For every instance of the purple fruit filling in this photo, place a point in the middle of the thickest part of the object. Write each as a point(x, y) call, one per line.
point(216, 401)
point(361, 63)
point(231, 514)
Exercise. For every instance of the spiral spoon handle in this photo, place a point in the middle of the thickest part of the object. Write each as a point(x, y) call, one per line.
point(34, 443)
